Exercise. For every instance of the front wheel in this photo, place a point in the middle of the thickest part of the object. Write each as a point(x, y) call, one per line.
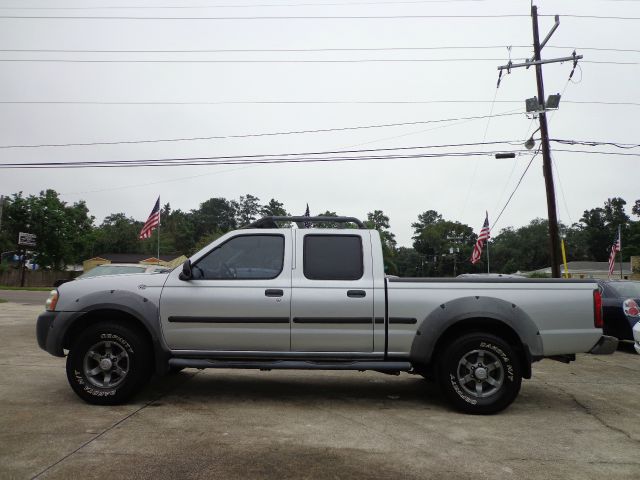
point(480, 373)
point(108, 363)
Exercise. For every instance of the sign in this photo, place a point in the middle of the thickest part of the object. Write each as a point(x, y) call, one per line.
point(26, 239)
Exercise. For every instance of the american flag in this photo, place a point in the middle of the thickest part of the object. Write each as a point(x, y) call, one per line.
point(152, 222)
point(484, 236)
point(307, 214)
point(615, 248)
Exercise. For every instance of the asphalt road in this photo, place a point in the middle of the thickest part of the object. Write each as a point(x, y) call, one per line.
point(577, 421)
point(25, 297)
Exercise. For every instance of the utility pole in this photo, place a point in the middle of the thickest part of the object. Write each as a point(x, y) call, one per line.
point(547, 170)
point(456, 239)
point(554, 236)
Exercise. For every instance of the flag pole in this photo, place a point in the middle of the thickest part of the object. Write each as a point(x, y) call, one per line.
point(159, 210)
point(620, 251)
point(488, 271)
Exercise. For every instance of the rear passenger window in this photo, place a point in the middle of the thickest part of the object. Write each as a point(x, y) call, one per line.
point(333, 257)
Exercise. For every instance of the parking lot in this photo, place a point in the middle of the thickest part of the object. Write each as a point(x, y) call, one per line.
point(573, 421)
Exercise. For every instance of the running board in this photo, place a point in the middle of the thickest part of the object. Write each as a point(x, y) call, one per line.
point(290, 364)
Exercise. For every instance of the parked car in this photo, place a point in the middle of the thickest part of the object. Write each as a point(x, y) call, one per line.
point(620, 302)
point(317, 299)
point(122, 268)
point(636, 337)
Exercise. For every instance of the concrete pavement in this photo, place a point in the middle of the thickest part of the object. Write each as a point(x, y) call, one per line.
point(25, 297)
point(575, 421)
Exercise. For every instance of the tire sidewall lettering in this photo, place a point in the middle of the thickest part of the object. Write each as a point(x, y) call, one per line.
point(117, 338)
point(504, 358)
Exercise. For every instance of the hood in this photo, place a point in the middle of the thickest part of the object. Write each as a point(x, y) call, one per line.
point(144, 284)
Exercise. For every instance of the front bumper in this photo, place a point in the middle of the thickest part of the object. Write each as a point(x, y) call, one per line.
point(50, 330)
point(43, 326)
point(605, 346)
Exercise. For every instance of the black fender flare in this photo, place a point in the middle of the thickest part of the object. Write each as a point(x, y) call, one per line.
point(448, 314)
point(137, 306)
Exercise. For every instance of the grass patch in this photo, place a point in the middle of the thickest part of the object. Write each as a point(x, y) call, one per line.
point(2, 300)
point(29, 289)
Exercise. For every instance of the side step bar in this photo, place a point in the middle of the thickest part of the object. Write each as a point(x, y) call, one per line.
point(290, 364)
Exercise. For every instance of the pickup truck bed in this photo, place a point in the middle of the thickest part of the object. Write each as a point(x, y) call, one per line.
point(307, 298)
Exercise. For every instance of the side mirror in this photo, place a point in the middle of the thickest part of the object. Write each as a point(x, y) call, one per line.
point(186, 273)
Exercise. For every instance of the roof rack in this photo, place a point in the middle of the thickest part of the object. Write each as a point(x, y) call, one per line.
point(270, 222)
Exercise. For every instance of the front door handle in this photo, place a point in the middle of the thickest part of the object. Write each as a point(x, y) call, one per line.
point(273, 292)
point(356, 293)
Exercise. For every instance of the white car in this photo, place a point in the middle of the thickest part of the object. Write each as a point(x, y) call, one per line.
point(636, 337)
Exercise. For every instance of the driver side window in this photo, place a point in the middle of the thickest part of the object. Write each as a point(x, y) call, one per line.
point(243, 257)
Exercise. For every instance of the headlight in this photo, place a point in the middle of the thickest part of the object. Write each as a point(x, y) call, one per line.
point(52, 301)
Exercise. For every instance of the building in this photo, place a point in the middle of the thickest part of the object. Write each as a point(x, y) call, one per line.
point(598, 270)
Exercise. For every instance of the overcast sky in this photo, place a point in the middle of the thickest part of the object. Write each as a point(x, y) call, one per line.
point(460, 188)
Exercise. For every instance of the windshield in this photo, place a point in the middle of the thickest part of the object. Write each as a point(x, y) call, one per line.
point(111, 270)
point(626, 289)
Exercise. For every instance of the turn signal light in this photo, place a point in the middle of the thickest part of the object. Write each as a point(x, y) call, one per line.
point(52, 301)
point(597, 309)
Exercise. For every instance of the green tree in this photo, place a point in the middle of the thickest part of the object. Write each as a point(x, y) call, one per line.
point(328, 213)
point(248, 208)
point(601, 227)
point(434, 238)
point(63, 231)
point(273, 209)
point(522, 249)
point(214, 215)
point(409, 263)
point(117, 234)
point(178, 231)
point(377, 220)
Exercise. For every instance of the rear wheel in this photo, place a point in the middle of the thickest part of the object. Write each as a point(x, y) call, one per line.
point(480, 373)
point(108, 363)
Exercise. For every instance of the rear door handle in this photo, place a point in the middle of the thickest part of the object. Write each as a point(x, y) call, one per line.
point(356, 293)
point(273, 292)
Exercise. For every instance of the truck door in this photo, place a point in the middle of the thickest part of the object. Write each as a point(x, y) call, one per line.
point(238, 299)
point(332, 292)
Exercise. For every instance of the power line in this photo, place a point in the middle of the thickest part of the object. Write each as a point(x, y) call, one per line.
point(278, 159)
point(292, 50)
point(255, 5)
point(305, 17)
point(595, 143)
point(176, 162)
point(298, 102)
point(515, 189)
point(267, 134)
point(330, 152)
point(278, 17)
point(359, 60)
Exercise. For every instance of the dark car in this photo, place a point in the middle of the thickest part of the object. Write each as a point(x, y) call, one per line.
point(620, 302)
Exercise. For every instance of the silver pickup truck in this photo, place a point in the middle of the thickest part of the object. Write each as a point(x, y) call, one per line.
point(266, 297)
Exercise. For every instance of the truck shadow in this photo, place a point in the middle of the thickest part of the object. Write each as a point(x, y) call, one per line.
point(296, 387)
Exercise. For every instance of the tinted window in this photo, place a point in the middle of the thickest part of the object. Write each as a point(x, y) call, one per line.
point(333, 257)
point(243, 257)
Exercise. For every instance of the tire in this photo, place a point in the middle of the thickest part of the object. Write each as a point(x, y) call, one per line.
point(109, 363)
point(480, 373)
